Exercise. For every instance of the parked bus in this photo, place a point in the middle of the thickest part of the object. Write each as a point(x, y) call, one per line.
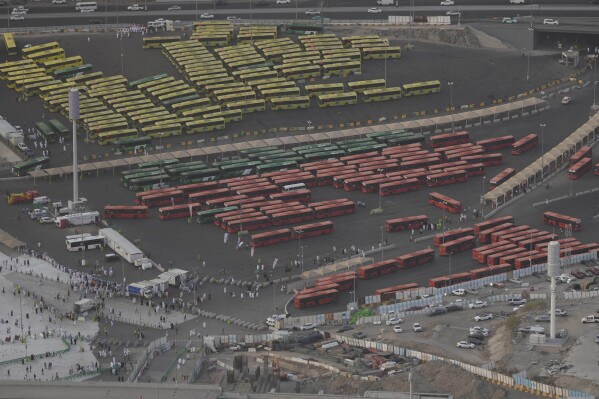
point(48, 55)
point(577, 170)
point(86, 5)
point(444, 202)
point(406, 223)
point(383, 94)
point(501, 178)
point(445, 178)
point(56, 65)
point(415, 89)
point(336, 99)
point(249, 224)
point(315, 299)
point(584, 152)
point(524, 144)
point(528, 261)
point(9, 42)
point(491, 270)
point(163, 199)
point(377, 269)
point(320, 89)
point(562, 221)
point(362, 85)
point(487, 224)
point(208, 216)
point(39, 48)
point(135, 144)
point(46, 132)
point(416, 258)
point(125, 212)
point(179, 211)
point(388, 294)
point(331, 209)
point(446, 281)
point(484, 236)
point(22, 168)
point(85, 243)
point(292, 216)
point(451, 235)
point(312, 230)
point(158, 41)
point(493, 159)
point(456, 246)
point(270, 238)
point(496, 143)
point(448, 139)
point(303, 195)
point(371, 53)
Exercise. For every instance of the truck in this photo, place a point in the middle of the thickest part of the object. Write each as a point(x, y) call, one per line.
point(143, 263)
point(385, 2)
point(84, 305)
point(174, 276)
point(22, 198)
point(77, 219)
point(590, 319)
point(141, 289)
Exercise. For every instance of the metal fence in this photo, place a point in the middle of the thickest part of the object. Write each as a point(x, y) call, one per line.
point(155, 348)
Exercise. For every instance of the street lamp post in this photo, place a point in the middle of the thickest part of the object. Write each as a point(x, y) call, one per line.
point(296, 10)
point(382, 243)
point(531, 30)
point(450, 84)
point(299, 246)
point(482, 199)
point(542, 125)
point(594, 80)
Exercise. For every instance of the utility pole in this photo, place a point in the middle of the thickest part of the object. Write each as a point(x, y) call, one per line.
point(450, 84)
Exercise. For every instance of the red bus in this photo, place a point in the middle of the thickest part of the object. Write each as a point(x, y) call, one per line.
point(522, 235)
point(407, 223)
point(141, 194)
point(312, 229)
point(485, 235)
point(356, 182)
point(327, 202)
point(487, 247)
point(344, 283)
point(224, 221)
point(444, 202)
point(203, 196)
point(446, 281)
point(377, 269)
point(255, 223)
point(494, 259)
point(242, 185)
point(444, 140)
point(388, 294)
point(179, 211)
point(563, 243)
point(339, 181)
point(284, 209)
point(562, 221)
point(335, 209)
point(315, 299)
point(270, 238)
point(487, 224)
point(302, 195)
point(294, 216)
point(125, 212)
point(238, 212)
point(197, 187)
point(361, 161)
point(260, 190)
point(420, 174)
point(451, 235)
point(501, 177)
point(442, 166)
point(530, 244)
point(528, 261)
point(596, 169)
point(580, 168)
point(307, 178)
point(382, 167)
point(497, 143)
point(491, 270)
point(499, 235)
point(317, 288)
point(524, 144)
point(473, 169)
point(416, 258)
point(419, 163)
point(493, 159)
point(238, 179)
point(482, 255)
point(247, 202)
point(279, 173)
point(167, 198)
point(317, 165)
point(399, 186)
point(220, 202)
point(460, 245)
point(364, 155)
point(465, 146)
point(401, 149)
point(325, 177)
point(584, 152)
point(403, 156)
point(511, 259)
point(584, 248)
point(371, 186)
point(460, 155)
point(445, 178)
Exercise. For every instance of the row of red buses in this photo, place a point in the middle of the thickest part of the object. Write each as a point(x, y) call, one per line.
point(325, 177)
point(497, 143)
point(318, 165)
point(419, 173)
point(584, 152)
point(491, 270)
point(388, 294)
point(442, 166)
point(482, 253)
point(563, 243)
point(339, 181)
point(459, 245)
point(487, 224)
point(407, 223)
point(461, 154)
point(419, 163)
point(582, 249)
point(399, 186)
point(528, 261)
point(179, 211)
point(446, 281)
point(473, 169)
point(377, 269)
point(416, 258)
point(350, 159)
point(562, 221)
point(401, 149)
point(220, 202)
point(373, 185)
point(451, 235)
point(140, 194)
point(302, 195)
point(270, 238)
point(484, 236)
point(315, 299)
point(581, 167)
point(165, 198)
point(532, 242)
point(443, 140)
point(334, 208)
point(344, 282)
point(355, 183)
point(516, 233)
point(203, 196)
point(292, 216)
point(444, 202)
point(493, 159)
point(125, 212)
point(494, 259)
point(524, 144)
point(448, 148)
point(307, 178)
point(197, 187)
point(219, 218)
point(499, 235)
point(502, 177)
point(445, 178)
point(249, 224)
point(313, 229)
point(511, 259)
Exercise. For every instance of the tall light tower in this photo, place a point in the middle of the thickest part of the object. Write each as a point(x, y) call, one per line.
point(74, 116)
point(553, 270)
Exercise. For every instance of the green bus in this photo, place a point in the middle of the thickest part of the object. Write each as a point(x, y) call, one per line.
point(317, 156)
point(272, 167)
point(135, 144)
point(160, 163)
point(383, 94)
point(198, 176)
point(271, 151)
point(280, 157)
point(415, 89)
point(405, 140)
point(60, 128)
point(336, 99)
point(21, 168)
point(355, 142)
point(365, 148)
point(204, 125)
point(72, 71)
point(46, 132)
point(239, 169)
point(127, 176)
point(294, 102)
point(171, 169)
point(207, 216)
point(149, 183)
point(136, 83)
point(306, 151)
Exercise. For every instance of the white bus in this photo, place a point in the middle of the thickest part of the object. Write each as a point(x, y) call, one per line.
point(87, 5)
point(85, 243)
point(293, 187)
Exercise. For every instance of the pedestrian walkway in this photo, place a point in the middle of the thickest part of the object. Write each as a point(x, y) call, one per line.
point(130, 310)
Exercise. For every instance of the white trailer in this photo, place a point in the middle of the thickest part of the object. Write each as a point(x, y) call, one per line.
point(174, 276)
point(121, 245)
point(159, 285)
point(77, 219)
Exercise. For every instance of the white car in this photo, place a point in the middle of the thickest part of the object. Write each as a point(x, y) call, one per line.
point(135, 7)
point(465, 344)
point(560, 312)
point(397, 329)
point(307, 326)
point(46, 220)
point(59, 1)
point(87, 9)
point(18, 12)
point(417, 327)
point(566, 100)
point(207, 16)
point(484, 316)
point(393, 321)
point(478, 305)
point(447, 3)
point(453, 12)
point(231, 18)
point(283, 1)
point(312, 12)
point(459, 292)
point(550, 21)
point(17, 17)
point(374, 10)
point(174, 8)
point(509, 20)
point(479, 330)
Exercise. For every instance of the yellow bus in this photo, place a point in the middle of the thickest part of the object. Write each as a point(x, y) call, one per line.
point(40, 47)
point(231, 115)
point(48, 55)
point(353, 54)
point(127, 110)
point(156, 88)
point(304, 72)
point(97, 128)
point(294, 64)
point(260, 77)
point(133, 105)
point(212, 40)
point(382, 94)
point(149, 116)
point(415, 89)
point(116, 99)
point(102, 118)
point(182, 106)
point(212, 88)
point(32, 89)
point(199, 112)
point(243, 95)
point(371, 53)
point(286, 92)
point(284, 84)
point(21, 84)
point(9, 42)
point(12, 80)
point(360, 44)
point(121, 82)
point(295, 102)
point(104, 91)
point(360, 85)
point(253, 37)
point(15, 66)
point(151, 120)
point(201, 74)
point(85, 77)
point(159, 110)
point(243, 72)
point(167, 90)
point(148, 85)
point(342, 68)
point(92, 83)
point(178, 94)
point(67, 62)
point(246, 63)
point(255, 83)
point(317, 90)
point(202, 83)
point(204, 125)
point(158, 41)
point(11, 75)
point(111, 137)
point(163, 130)
point(247, 106)
point(336, 99)
point(85, 112)
point(231, 90)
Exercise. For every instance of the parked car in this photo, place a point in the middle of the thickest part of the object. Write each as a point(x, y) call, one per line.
point(577, 274)
point(497, 285)
point(312, 12)
point(509, 20)
point(588, 273)
point(478, 305)
point(135, 7)
point(459, 292)
point(17, 17)
point(283, 1)
point(516, 301)
point(231, 18)
point(359, 335)
point(566, 100)
point(437, 311)
point(206, 15)
point(346, 327)
point(550, 21)
point(465, 344)
point(560, 312)
point(46, 220)
point(447, 3)
point(477, 335)
point(417, 327)
point(174, 8)
point(397, 329)
point(594, 270)
point(543, 318)
point(452, 307)
point(59, 1)
point(453, 12)
point(484, 316)
point(307, 326)
point(474, 341)
point(374, 10)
point(393, 321)
point(478, 329)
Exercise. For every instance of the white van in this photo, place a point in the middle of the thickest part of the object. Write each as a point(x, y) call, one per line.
point(293, 187)
point(516, 1)
point(41, 200)
point(385, 2)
